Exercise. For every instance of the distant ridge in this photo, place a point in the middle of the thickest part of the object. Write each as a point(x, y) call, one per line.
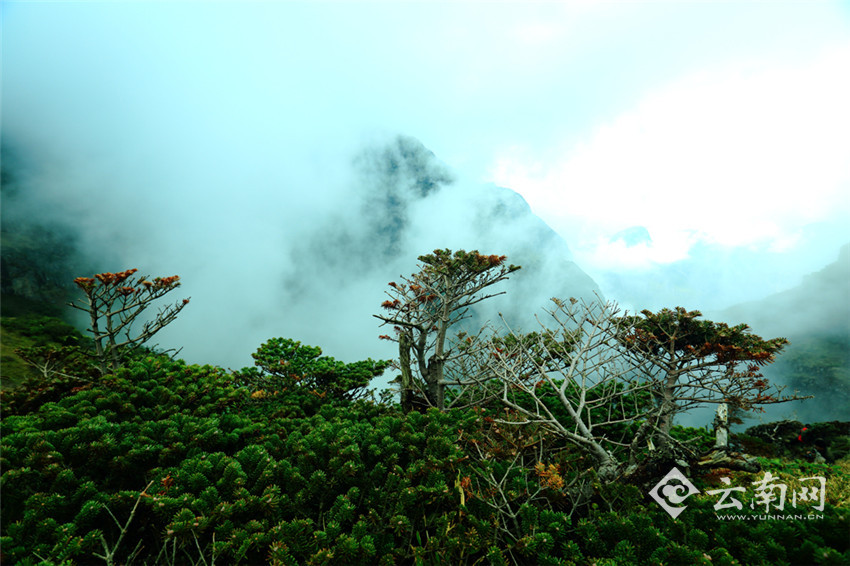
point(815, 317)
point(819, 304)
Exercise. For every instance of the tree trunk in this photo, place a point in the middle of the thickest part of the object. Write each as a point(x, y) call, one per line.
point(608, 468)
point(668, 410)
point(98, 337)
point(721, 427)
point(406, 375)
point(722, 458)
point(436, 389)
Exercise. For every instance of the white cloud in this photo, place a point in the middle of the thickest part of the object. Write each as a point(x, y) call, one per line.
point(743, 156)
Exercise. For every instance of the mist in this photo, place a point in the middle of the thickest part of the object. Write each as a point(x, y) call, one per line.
point(287, 160)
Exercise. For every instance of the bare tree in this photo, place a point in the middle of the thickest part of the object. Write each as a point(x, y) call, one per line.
point(114, 302)
point(425, 305)
point(49, 361)
point(577, 381)
point(611, 383)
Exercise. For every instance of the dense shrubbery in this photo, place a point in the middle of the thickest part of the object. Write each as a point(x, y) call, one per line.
point(250, 479)
point(123, 455)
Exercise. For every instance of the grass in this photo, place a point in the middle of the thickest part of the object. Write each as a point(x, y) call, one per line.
point(13, 370)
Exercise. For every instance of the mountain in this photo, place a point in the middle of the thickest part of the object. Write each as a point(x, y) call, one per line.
point(632, 236)
point(815, 317)
point(314, 268)
point(405, 202)
point(820, 304)
point(40, 257)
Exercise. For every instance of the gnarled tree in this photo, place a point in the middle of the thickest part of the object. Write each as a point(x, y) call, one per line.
point(576, 381)
point(694, 362)
point(423, 307)
point(114, 302)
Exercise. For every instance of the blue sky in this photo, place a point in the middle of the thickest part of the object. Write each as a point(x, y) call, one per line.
point(719, 124)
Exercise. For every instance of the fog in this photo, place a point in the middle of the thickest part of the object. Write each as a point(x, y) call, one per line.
point(287, 160)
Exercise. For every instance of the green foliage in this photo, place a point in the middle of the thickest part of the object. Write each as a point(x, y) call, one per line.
point(699, 440)
point(284, 366)
point(649, 536)
point(678, 330)
point(45, 364)
point(245, 479)
point(299, 489)
point(793, 439)
point(43, 329)
point(36, 336)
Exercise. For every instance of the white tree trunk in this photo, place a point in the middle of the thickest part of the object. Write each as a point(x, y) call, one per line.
point(721, 426)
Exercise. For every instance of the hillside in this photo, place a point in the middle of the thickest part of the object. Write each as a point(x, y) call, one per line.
point(815, 317)
point(819, 305)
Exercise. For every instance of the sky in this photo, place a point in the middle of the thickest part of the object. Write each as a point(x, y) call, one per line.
point(687, 152)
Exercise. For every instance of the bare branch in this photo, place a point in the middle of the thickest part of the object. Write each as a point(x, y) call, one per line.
point(109, 553)
point(114, 301)
point(574, 379)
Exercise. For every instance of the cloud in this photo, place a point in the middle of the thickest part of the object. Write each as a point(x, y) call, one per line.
point(217, 143)
point(745, 155)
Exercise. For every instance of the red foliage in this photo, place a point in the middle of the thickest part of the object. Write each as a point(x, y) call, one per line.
point(163, 282)
point(713, 477)
point(115, 278)
point(85, 283)
point(166, 484)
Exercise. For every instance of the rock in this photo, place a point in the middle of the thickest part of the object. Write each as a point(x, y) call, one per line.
point(720, 458)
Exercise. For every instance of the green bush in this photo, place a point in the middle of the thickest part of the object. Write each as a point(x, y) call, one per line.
point(205, 469)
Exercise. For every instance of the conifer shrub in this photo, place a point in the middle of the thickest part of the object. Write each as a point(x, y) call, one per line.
point(44, 330)
point(350, 482)
point(161, 462)
point(295, 380)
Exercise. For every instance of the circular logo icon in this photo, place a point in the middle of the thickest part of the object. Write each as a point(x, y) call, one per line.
point(672, 490)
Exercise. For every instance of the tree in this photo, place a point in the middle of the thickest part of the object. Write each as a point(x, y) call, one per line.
point(114, 302)
point(608, 383)
point(51, 347)
point(576, 380)
point(425, 305)
point(692, 362)
point(284, 364)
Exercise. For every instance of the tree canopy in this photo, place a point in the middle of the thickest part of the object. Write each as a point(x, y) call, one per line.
point(692, 362)
point(423, 307)
point(284, 364)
